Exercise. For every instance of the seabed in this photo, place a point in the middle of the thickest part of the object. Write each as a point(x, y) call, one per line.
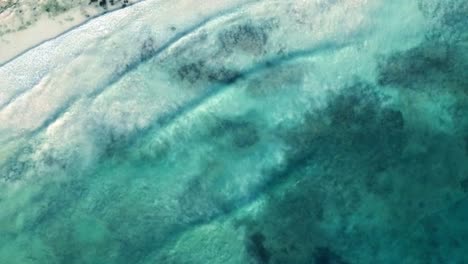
point(240, 131)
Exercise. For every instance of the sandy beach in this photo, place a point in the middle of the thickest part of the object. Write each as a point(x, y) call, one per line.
point(233, 132)
point(25, 24)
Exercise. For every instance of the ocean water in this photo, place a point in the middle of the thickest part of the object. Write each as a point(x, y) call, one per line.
point(315, 131)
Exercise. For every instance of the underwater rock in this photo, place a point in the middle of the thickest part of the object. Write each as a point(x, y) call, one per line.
point(324, 255)
point(420, 64)
point(247, 37)
point(239, 132)
point(255, 248)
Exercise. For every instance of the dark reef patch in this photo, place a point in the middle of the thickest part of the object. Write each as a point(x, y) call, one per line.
point(17, 166)
point(241, 133)
point(354, 108)
point(354, 121)
point(466, 144)
point(448, 18)
point(256, 248)
point(323, 255)
point(59, 204)
point(277, 78)
point(247, 37)
point(353, 139)
point(420, 64)
point(290, 221)
point(357, 179)
point(148, 48)
point(191, 72)
point(441, 60)
point(106, 3)
point(223, 75)
point(103, 3)
point(200, 202)
point(464, 185)
point(201, 71)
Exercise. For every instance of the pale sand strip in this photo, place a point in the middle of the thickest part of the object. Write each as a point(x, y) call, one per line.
point(46, 28)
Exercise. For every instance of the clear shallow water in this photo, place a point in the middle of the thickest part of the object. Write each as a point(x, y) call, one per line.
point(243, 132)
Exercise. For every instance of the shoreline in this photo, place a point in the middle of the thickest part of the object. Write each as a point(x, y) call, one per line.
point(15, 44)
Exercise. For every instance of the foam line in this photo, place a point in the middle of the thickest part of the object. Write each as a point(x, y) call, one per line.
point(67, 31)
point(172, 41)
point(167, 119)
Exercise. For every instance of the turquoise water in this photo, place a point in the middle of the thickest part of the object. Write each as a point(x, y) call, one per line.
point(241, 132)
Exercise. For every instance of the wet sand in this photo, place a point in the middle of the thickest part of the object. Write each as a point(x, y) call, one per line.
point(26, 24)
